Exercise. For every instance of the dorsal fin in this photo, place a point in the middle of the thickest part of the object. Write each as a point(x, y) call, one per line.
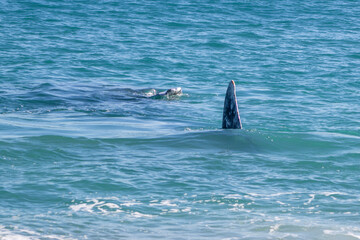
point(231, 116)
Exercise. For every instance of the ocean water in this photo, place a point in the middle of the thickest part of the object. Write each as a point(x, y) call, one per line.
point(84, 154)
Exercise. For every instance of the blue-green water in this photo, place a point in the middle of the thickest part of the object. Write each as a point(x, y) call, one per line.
point(84, 155)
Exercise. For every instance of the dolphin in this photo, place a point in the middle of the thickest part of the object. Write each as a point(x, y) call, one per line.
point(170, 93)
point(231, 116)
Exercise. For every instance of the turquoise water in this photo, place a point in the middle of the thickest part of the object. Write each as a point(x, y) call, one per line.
point(85, 155)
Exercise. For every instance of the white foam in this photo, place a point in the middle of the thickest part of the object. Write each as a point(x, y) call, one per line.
point(129, 204)
point(234, 196)
point(174, 210)
point(353, 235)
point(188, 209)
point(6, 234)
point(327, 194)
point(112, 198)
point(82, 207)
point(164, 203)
point(95, 205)
point(312, 197)
point(24, 234)
point(274, 228)
point(140, 215)
point(238, 205)
point(352, 232)
point(266, 196)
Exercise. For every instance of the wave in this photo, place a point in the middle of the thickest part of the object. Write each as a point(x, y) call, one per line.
point(314, 143)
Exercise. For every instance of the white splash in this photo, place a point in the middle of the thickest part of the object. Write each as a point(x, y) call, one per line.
point(95, 205)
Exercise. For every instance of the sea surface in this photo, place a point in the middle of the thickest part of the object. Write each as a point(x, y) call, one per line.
point(86, 154)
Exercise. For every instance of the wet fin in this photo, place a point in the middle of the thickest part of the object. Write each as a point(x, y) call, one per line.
point(231, 116)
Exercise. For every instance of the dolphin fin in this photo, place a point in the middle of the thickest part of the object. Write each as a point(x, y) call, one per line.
point(231, 116)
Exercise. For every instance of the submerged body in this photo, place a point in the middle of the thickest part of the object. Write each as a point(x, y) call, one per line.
point(231, 116)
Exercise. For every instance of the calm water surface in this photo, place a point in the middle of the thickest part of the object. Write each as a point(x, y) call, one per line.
point(85, 155)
